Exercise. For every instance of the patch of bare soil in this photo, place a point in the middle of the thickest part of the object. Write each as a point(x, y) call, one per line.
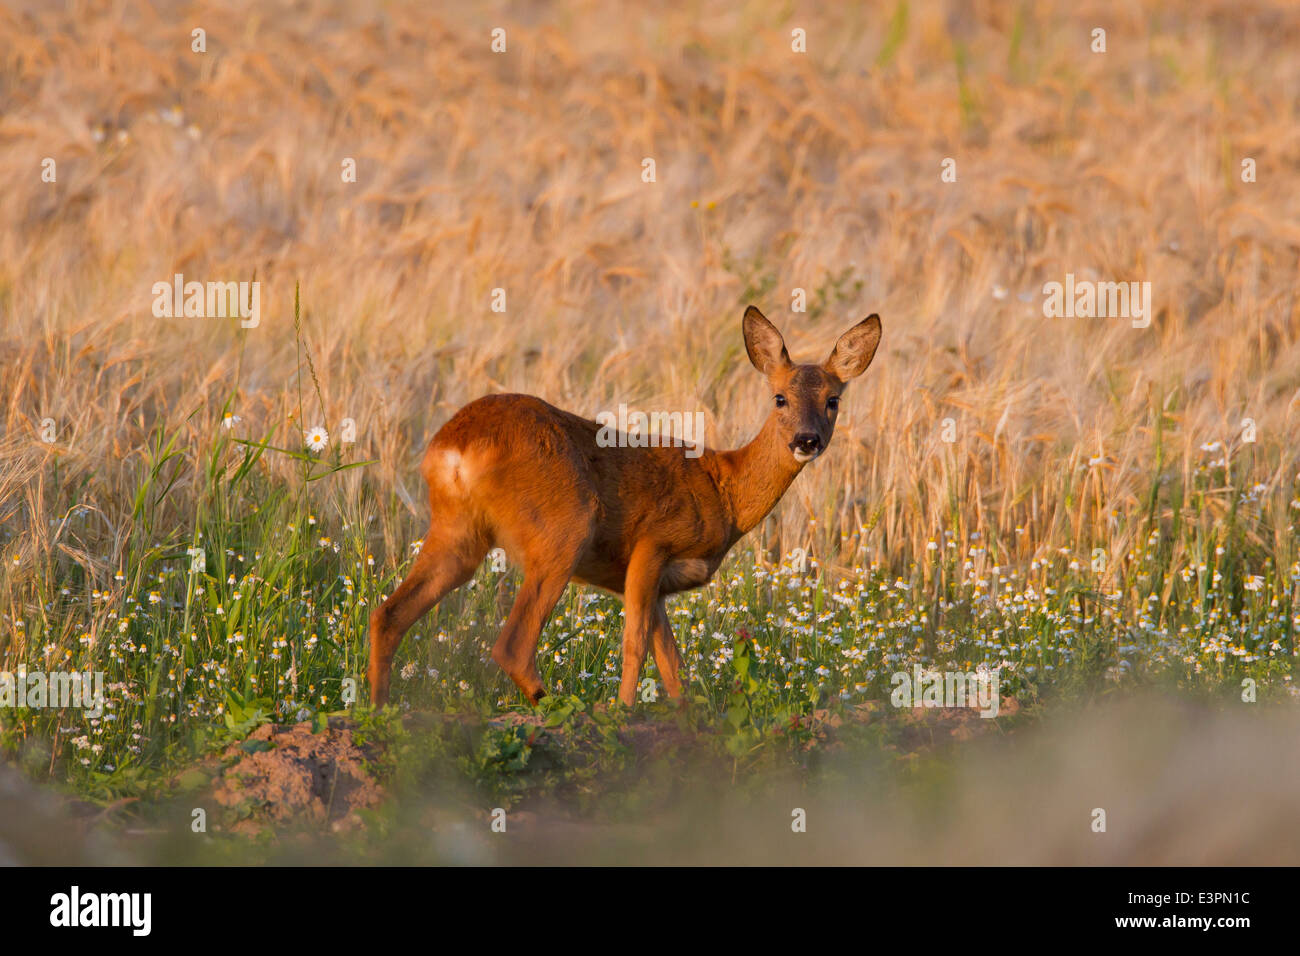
point(925, 726)
point(657, 739)
point(287, 774)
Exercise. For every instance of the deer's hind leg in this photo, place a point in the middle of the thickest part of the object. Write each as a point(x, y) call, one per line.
point(549, 561)
point(450, 554)
point(516, 648)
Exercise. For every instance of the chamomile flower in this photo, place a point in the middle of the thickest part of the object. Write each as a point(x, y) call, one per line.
point(316, 438)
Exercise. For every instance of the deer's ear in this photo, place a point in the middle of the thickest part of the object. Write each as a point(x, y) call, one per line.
point(763, 342)
point(855, 349)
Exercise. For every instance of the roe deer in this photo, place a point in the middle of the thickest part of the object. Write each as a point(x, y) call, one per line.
point(515, 472)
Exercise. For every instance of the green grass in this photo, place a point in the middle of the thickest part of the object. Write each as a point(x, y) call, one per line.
point(270, 622)
point(276, 621)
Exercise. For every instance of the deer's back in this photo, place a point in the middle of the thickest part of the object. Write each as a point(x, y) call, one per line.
point(522, 465)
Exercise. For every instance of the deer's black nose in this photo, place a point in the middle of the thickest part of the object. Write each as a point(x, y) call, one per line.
point(806, 442)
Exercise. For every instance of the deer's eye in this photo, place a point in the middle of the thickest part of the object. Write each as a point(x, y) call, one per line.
point(832, 404)
point(780, 401)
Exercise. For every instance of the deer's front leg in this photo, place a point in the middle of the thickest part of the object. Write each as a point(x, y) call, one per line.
point(640, 607)
point(667, 656)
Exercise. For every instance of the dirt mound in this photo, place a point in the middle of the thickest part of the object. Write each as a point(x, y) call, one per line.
point(288, 774)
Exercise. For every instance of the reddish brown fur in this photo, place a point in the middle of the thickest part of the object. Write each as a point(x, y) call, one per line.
point(515, 472)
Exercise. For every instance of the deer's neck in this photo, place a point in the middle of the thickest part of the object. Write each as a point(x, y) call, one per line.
point(753, 478)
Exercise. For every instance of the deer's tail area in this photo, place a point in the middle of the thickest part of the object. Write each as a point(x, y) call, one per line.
point(510, 471)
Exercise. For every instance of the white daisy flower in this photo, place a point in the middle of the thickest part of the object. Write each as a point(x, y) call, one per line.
point(316, 438)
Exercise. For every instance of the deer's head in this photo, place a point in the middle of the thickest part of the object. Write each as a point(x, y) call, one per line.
point(806, 398)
